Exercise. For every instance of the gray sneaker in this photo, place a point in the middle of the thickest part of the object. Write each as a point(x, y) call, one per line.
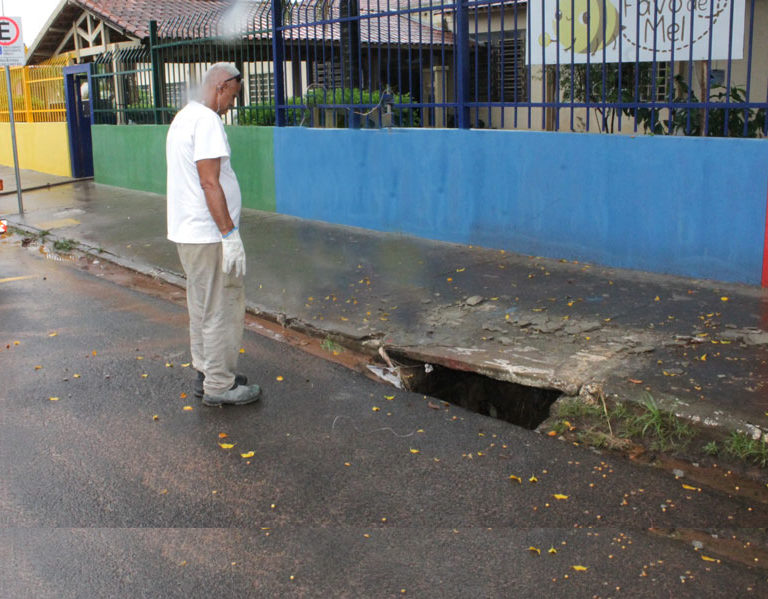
point(239, 395)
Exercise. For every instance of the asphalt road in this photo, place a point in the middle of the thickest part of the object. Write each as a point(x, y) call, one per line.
point(118, 483)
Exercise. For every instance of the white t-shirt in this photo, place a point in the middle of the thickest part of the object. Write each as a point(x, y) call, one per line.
point(197, 133)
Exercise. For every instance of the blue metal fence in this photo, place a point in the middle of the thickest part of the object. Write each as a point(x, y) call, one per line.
point(677, 67)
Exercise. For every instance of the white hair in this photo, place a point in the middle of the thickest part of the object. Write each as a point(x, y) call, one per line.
point(219, 72)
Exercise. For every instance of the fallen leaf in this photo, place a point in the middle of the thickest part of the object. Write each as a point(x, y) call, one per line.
point(552, 434)
point(242, 350)
point(560, 496)
point(434, 406)
point(516, 478)
point(53, 398)
point(139, 357)
point(75, 376)
point(535, 550)
point(579, 568)
point(279, 378)
point(187, 408)
point(552, 550)
point(635, 381)
point(155, 417)
point(168, 365)
point(226, 445)
point(706, 558)
point(690, 488)
point(38, 367)
point(415, 451)
point(247, 454)
point(376, 408)
point(183, 395)
point(185, 365)
point(533, 479)
point(144, 376)
point(223, 435)
point(724, 299)
point(93, 352)
point(389, 397)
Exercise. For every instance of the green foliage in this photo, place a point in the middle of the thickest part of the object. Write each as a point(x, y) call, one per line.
point(744, 447)
point(600, 84)
point(711, 448)
point(664, 429)
point(64, 245)
point(263, 115)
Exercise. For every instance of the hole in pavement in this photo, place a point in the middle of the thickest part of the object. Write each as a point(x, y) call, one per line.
point(518, 404)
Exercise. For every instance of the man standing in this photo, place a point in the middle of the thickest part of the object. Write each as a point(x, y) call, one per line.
point(203, 216)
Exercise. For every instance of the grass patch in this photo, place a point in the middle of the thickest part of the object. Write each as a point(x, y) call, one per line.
point(664, 430)
point(711, 449)
point(331, 346)
point(744, 447)
point(64, 245)
point(615, 425)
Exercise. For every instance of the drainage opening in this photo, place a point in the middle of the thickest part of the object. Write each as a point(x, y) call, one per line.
point(518, 404)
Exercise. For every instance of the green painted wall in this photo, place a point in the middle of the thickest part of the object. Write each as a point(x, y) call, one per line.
point(253, 160)
point(133, 156)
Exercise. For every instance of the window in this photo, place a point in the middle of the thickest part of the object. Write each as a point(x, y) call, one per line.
point(261, 87)
point(659, 93)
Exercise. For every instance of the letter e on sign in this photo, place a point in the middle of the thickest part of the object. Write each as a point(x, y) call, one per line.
point(11, 42)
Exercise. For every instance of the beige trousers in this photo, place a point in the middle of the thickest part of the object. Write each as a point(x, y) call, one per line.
point(216, 305)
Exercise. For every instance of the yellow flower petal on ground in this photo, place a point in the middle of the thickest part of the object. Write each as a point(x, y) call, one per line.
point(724, 299)
point(38, 367)
point(75, 376)
point(53, 398)
point(389, 397)
point(168, 365)
point(376, 408)
point(223, 435)
point(415, 451)
point(535, 550)
point(247, 454)
point(691, 488)
point(183, 395)
point(93, 352)
point(226, 445)
point(155, 417)
point(187, 408)
point(706, 558)
point(279, 378)
point(139, 357)
point(579, 568)
point(242, 350)
point(144, 376)
point(560, 496)
point(552, 550)
point(533, 479)
point(516, 478)
point(52, 334)
point(185, 365)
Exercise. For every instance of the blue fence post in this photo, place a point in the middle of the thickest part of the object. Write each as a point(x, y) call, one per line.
point(462, 64)
point(278, 55)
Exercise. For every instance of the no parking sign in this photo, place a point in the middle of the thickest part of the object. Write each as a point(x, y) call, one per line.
point(11, 42)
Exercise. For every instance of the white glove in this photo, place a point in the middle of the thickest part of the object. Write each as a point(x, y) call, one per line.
point(233, 253)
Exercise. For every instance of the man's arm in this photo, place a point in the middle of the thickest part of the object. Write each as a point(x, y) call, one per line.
point(208, 171)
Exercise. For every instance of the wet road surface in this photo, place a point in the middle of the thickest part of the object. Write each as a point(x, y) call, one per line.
point(354, 489)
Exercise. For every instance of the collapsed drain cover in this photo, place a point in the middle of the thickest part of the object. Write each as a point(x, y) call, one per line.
point(518, 404)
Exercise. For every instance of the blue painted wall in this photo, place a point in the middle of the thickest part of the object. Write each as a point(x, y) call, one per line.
point(687, 206)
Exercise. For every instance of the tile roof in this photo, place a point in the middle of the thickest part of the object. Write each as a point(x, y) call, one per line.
point(383, 22)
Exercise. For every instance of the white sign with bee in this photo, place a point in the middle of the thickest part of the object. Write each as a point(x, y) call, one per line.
point(635, 30)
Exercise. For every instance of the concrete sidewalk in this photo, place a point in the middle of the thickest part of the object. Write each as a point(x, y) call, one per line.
point(698, 347)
